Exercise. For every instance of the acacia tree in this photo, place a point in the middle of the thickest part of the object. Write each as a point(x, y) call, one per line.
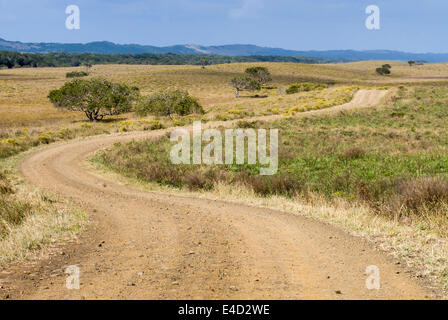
point(245, 83)
point(97, 98)
point(261, 74)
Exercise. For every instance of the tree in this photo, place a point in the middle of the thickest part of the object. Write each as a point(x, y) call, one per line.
point(411, 63)
point(261, 74)
point(245, 83)
point(384, 70)
point(167, 103)
point(9, 63)
point(97, 98)
point(21, 61)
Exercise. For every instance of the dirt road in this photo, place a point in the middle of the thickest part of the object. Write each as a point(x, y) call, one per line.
point(143, 245)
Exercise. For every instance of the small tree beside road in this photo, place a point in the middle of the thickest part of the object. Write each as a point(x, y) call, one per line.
point(97, 98)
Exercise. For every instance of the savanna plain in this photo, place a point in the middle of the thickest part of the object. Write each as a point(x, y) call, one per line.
point(362, 180)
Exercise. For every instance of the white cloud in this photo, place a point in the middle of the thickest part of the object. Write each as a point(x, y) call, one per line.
point(249, 9)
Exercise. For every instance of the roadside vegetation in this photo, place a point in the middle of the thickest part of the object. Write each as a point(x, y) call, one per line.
point(384, 171)
point(31, 220)
point(394, 159)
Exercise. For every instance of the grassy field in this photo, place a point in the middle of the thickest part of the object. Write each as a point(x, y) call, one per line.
point(393, 158)
point(389, 162)
point(381, 171)
point(23, 92)
point(28, 119)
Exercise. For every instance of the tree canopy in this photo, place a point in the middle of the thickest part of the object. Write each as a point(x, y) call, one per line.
point(167, 103)
point(261, 74)
point(97, 98)
point(384, 70)
point(9, 59)
point(245, 83)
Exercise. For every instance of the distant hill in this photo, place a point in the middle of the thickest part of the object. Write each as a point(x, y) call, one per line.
point(105, 47)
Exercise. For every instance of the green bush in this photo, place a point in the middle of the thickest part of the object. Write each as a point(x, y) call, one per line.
point(167, 103)
point(76, 74)
point(260, 74)
point(97, 98)
point(305, 86)
point(384, 70)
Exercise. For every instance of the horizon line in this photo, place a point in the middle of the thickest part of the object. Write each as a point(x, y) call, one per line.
point(223, 45)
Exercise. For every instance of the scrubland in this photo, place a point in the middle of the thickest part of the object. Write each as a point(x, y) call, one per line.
point(379, 172)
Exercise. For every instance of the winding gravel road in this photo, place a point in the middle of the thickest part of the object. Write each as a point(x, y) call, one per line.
point(145, 245)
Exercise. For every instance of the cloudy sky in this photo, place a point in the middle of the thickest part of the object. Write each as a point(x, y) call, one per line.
point(407, 25)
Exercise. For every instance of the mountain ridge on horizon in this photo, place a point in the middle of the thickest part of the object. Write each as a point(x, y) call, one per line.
point(107, 47)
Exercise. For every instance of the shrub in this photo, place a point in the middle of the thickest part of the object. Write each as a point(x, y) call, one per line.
point(197, 181)
point(353, 153)
point(248, 124)
point(415, 195)
point(153, 125)
point(76, 74)
point(305, 86)
point(167, 103)
point(282, 184)
point(384, 70)
point(44, 139)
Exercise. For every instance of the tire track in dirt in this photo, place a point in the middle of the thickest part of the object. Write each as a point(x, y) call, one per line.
point(145, 245)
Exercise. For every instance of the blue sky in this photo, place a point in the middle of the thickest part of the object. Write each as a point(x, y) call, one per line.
point(407, 25)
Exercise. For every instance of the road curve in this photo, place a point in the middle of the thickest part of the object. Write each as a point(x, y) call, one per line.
point(145, 245)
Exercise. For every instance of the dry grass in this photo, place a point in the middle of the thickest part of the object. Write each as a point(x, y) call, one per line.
point(31, 220)
point(424, 196)
point(23, 92)
point(28, 119)
point(376, 172)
